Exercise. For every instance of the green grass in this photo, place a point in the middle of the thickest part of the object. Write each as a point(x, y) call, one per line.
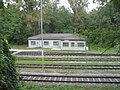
point(92, 49)
point(32, 86)
point(19, 46)
point(39, 61)
point(69, 71)
point(28, 62)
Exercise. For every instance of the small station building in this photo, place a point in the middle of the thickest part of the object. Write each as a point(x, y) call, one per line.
point(58, 41)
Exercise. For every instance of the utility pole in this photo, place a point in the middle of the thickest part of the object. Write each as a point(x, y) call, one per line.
point(41, 24)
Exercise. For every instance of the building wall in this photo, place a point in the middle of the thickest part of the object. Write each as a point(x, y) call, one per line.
point(30, 45)
point(60, 46)
point(38, 43)
point(51, 44)
point(75, 45)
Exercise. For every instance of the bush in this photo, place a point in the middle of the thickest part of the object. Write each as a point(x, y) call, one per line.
point(8, 75)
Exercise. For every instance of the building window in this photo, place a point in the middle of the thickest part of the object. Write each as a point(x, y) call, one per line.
point(32, 42)
point(80, 44)
point(56, 43)
point(46, 43)
point(65, 44)
point(72, 44)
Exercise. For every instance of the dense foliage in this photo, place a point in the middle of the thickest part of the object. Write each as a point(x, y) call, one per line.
point(8, 74)
point(103, 26)
point(21, 19)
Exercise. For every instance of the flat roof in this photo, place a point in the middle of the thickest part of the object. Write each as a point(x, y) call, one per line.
point(64, 36)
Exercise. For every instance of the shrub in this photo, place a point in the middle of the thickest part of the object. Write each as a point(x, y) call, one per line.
point(8, 75)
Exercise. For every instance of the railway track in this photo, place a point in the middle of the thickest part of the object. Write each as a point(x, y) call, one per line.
point(36, 53)
point(83, 60)
point(78, 60)
point(72, 59)
point(68, 66)
point(111, 79)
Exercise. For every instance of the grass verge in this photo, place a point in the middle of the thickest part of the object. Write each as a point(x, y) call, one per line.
point(92, 48)
point(31, 86)
point(69, 71)
point(38, 61)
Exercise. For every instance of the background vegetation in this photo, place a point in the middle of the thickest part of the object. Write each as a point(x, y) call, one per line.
point(101, 26)
point(8, 74)
point(21, 19)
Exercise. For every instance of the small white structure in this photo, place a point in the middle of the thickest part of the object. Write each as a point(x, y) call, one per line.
point(58, 41)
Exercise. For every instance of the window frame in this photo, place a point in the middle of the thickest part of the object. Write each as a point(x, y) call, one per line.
point(72, 44)
point(81, 44)
point(67, 44)
point(46, 42)
point(33, 43)
point(55, 43)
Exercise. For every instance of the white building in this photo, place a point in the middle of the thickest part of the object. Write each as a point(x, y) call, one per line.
point(58, 41)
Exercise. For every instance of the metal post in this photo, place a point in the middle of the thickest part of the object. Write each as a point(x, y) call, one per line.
point(42, 34)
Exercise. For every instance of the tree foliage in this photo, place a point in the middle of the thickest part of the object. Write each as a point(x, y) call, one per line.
point(103, 26)
point(57, 23)
point(12, 25)
point(8, 74)
point(23, 17)
point(78, 8)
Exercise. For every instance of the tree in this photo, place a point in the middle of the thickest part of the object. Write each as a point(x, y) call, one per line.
point(1, 4)
point(12, 25)
point(8, 75)
point(78, 8)
point(116, 3)
point(103, 26)
point(58, 23)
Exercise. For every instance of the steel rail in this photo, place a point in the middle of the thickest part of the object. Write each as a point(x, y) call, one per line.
point(69, 65)
point(64, 54)
point(72, 66)
point(83, 60)
point(71, 58)
point(72, 79)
